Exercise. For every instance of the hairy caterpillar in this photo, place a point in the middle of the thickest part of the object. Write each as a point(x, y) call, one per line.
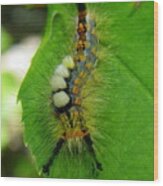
point(67, 83)
point(108, 98)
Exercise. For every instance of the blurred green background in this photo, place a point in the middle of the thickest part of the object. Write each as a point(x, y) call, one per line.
point(22, 27)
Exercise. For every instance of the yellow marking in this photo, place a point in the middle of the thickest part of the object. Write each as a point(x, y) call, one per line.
point(82, 74)
point(76, 113)
point(75, 90)
point(77, 81)
point(88, 65)
point(64, 119)
point(87, 44)
point(75, 117)
point(77, 101)
point(82, 57)
point(80, 45)
point(81, 27)
point(80, 42)
point(79, 56)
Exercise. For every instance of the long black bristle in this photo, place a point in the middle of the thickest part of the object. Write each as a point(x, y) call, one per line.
point(89, 143)
point(56, 151)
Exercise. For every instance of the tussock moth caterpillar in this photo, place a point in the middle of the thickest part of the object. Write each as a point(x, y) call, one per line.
point(67, 84)
point(69, 104)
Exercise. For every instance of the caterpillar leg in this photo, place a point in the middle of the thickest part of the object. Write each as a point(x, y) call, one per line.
point(89, 143)
point(55, 152)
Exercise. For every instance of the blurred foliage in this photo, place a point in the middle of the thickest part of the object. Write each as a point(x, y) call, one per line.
point(9, 85)
point(6, 40)
point(16, 161)
point(38, 6)
point(18, 22)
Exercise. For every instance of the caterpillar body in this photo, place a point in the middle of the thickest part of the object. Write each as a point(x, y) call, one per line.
point(67, 83)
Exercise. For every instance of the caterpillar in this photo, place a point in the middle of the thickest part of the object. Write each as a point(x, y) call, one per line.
point(67, 83)
point(83, 91)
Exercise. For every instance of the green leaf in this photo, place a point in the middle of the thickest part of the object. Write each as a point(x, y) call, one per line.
point(120, 93)
point(6, 40)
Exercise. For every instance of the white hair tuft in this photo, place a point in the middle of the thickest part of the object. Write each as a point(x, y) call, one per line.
point(61, 99)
